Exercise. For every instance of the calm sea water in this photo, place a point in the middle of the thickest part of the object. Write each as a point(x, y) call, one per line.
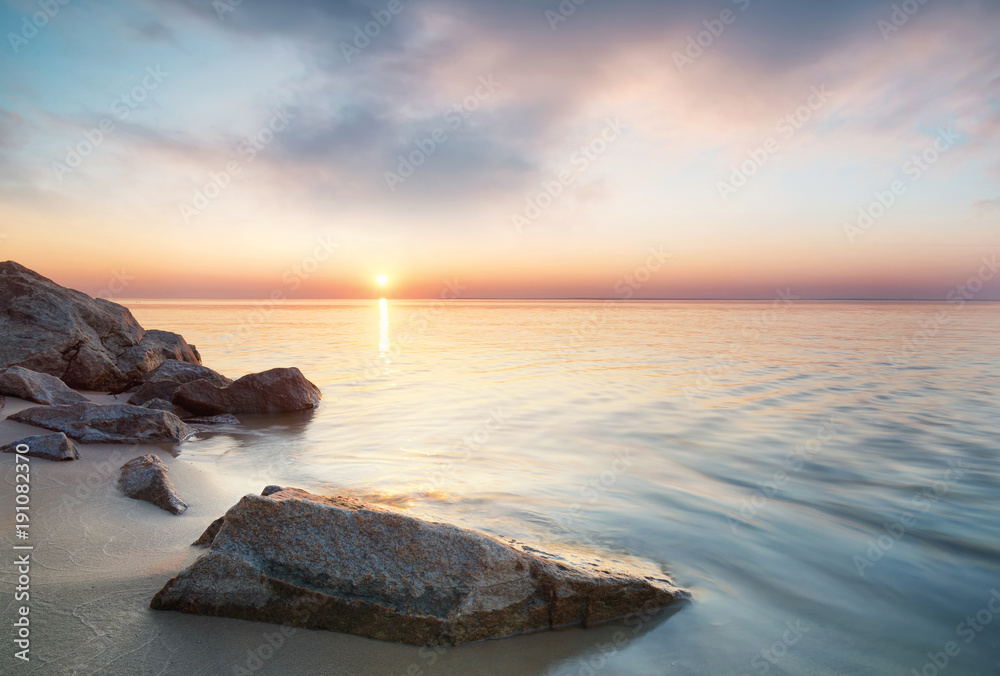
point(823, 476)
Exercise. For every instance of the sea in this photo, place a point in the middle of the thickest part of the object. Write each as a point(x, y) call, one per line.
point(823, 476)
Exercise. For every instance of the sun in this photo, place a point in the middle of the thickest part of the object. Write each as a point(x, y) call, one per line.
point(382, 280)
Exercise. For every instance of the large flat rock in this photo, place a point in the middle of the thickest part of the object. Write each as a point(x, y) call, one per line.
point(345, 565)
point(88, 343)
point(280, 390)
point(91, 423)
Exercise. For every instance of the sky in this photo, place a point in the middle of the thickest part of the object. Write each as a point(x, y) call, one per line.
point(491, 148)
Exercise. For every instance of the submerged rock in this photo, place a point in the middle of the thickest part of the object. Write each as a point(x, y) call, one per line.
point(89, 343)
point(280, 390)
point(345, 565)
point(107, 423)
point(40, 388)
point(49, 446)
point(145, 478)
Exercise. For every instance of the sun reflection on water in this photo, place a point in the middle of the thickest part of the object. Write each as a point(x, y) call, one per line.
point(383, 342)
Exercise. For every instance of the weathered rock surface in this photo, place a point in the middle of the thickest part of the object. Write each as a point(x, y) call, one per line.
point(278, 390)
point(344, 565)
point(176, 371)
point(92, 423)
point(160, 389)
point(49, 446)
point(89, 343)
point(146, 478)
point(40, 388)
point(164, 405)
point(208, 537)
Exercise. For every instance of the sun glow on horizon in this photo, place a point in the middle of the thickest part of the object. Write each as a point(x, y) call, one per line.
point(381, 280)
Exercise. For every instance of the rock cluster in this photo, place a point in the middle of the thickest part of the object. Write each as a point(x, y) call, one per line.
point(280, 390)
point(88, 343)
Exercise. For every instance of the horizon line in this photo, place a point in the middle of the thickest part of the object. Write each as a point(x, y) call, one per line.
point(575, 298)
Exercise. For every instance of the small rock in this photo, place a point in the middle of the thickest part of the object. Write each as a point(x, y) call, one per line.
point(92, 423)
point(145, 478)
point(278, 390)
point(40, 388)
point(49, 446)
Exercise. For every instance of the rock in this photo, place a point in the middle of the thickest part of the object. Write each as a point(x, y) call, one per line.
point(88, 343)
point(206, 538)
point(222, 419)
point(92, 423)
point(40, 388)
point(145, 478)
point(274, 391)
point(160, 389)
point(164, 405)
point(345, 565)
point(180, 372)
point(49, 446)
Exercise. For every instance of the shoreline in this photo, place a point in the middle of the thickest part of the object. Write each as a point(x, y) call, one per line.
point(99, 556)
